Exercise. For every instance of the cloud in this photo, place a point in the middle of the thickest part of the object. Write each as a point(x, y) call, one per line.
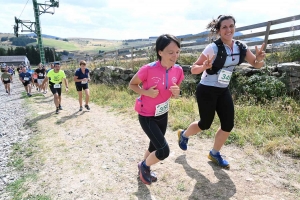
point(114, 19)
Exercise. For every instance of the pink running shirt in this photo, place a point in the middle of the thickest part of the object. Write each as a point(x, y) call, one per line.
point(155, 74)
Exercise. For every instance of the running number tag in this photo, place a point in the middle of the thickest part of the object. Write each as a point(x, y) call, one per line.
point(162, 108)
point(56, 86)
point(83, 82)
point(41, 74)
point(26, 78)
point(6, 79)
point(224, 77)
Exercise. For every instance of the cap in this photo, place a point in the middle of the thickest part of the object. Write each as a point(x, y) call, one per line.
point(56, 63)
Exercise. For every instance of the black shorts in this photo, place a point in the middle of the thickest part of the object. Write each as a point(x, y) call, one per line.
point(5, 82)
point(55, 90)
point(80, 87)
point(26, 83)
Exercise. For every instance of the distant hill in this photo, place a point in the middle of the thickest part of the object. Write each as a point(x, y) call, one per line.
point(43, 35)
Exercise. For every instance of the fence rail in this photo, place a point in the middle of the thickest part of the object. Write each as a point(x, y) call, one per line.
point(197, 42)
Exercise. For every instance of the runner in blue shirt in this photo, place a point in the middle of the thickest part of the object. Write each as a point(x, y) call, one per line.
point(25, 78)
point(81, 79)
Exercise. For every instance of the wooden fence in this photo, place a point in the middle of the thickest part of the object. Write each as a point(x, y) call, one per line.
point(198, 42)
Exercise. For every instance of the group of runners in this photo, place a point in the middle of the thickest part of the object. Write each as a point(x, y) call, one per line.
point(42, 78)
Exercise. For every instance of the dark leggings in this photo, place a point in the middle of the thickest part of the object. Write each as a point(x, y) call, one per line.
point(155, 128)
point(214, 99)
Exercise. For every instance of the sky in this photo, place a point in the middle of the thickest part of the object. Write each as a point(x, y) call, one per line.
point(141, 19)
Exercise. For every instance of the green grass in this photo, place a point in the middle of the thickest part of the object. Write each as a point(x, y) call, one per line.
point(270, 127)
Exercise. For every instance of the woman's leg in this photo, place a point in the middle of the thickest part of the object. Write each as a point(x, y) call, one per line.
point(87, 96)
point(80, 98)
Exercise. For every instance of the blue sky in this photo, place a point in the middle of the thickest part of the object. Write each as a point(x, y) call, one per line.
point(132, 19)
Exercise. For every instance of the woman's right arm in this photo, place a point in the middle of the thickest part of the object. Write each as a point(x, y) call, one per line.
point(203, 62)
point(134, 84)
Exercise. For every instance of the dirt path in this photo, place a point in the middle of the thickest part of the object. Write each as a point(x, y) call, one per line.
point(94, 155)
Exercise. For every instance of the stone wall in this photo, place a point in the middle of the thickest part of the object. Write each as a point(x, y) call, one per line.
point(111, 75)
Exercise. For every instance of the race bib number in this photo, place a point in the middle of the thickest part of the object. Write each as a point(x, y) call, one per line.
point(224, 77)
point(6, 79)
point(162, 108)
point(83, 82)
point(56, 86)
point(26, 78)
point(41, 74)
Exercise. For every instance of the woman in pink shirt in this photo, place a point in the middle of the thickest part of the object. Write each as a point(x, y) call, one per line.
point(156, 83)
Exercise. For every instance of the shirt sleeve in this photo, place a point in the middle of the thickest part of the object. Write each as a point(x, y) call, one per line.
point(142, 73)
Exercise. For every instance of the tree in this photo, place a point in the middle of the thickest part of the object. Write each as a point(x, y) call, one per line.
point(2, 52)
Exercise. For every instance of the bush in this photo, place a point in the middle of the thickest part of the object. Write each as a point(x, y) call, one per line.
point(260, 87)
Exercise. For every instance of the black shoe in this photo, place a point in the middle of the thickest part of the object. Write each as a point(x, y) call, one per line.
point(80, 109)
point(57, 111)
point(6, 91)
point(59, 107)
point(144, 174)
point(87, 107)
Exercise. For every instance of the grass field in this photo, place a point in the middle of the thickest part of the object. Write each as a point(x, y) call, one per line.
point(85, 45)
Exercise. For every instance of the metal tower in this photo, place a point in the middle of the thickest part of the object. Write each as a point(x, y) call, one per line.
point(38, 10)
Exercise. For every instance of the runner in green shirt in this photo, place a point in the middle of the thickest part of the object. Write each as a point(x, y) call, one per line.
point(55, 78)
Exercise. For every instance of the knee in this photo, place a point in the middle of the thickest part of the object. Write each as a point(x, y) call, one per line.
point(227, 127)
point(203, 126)
point(163, 153)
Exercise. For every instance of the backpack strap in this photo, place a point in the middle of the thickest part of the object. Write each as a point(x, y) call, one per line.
point(220, 58)
point(243, 51)
point(222, 55)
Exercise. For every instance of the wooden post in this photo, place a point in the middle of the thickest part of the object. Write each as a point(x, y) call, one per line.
point(267, 34)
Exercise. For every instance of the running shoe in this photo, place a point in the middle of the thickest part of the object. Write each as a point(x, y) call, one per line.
point(182, 141)
point(144, 174)
point(57, 111)
point(29, 95)
point(80, 109)
point(152, 174)
point(6, 91)
point(218, 160)
point(87, 107)
point(59, 107)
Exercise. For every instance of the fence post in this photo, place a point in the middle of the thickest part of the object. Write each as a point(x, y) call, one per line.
point(267, 34)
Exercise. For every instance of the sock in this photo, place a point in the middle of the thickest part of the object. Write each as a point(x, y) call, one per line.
point(183, 134)
point(214, 152)
point(144, 165)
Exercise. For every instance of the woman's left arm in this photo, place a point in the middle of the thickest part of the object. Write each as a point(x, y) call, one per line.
point(257, 60)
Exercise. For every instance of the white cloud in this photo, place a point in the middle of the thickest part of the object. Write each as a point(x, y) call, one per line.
point(115, 19)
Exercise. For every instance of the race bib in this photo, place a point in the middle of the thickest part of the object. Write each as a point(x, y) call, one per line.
point(26, 78)
point(83, 82)
point(41, 74)
point(56, 86)
point(6, 79)
point(224, 77)
point(162, 108)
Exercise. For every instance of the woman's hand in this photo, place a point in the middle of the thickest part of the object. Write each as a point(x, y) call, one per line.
point(260, 54)
point(152, 92)
point(207, 64)
point(175, 90)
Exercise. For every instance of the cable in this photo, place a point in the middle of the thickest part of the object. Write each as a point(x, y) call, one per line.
point(23, 9)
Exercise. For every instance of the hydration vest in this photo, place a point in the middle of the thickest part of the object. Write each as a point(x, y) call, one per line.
point(222, 55)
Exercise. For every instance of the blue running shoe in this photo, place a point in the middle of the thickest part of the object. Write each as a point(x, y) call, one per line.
point(182, 141)
point(218, 160)
point(144, 173)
